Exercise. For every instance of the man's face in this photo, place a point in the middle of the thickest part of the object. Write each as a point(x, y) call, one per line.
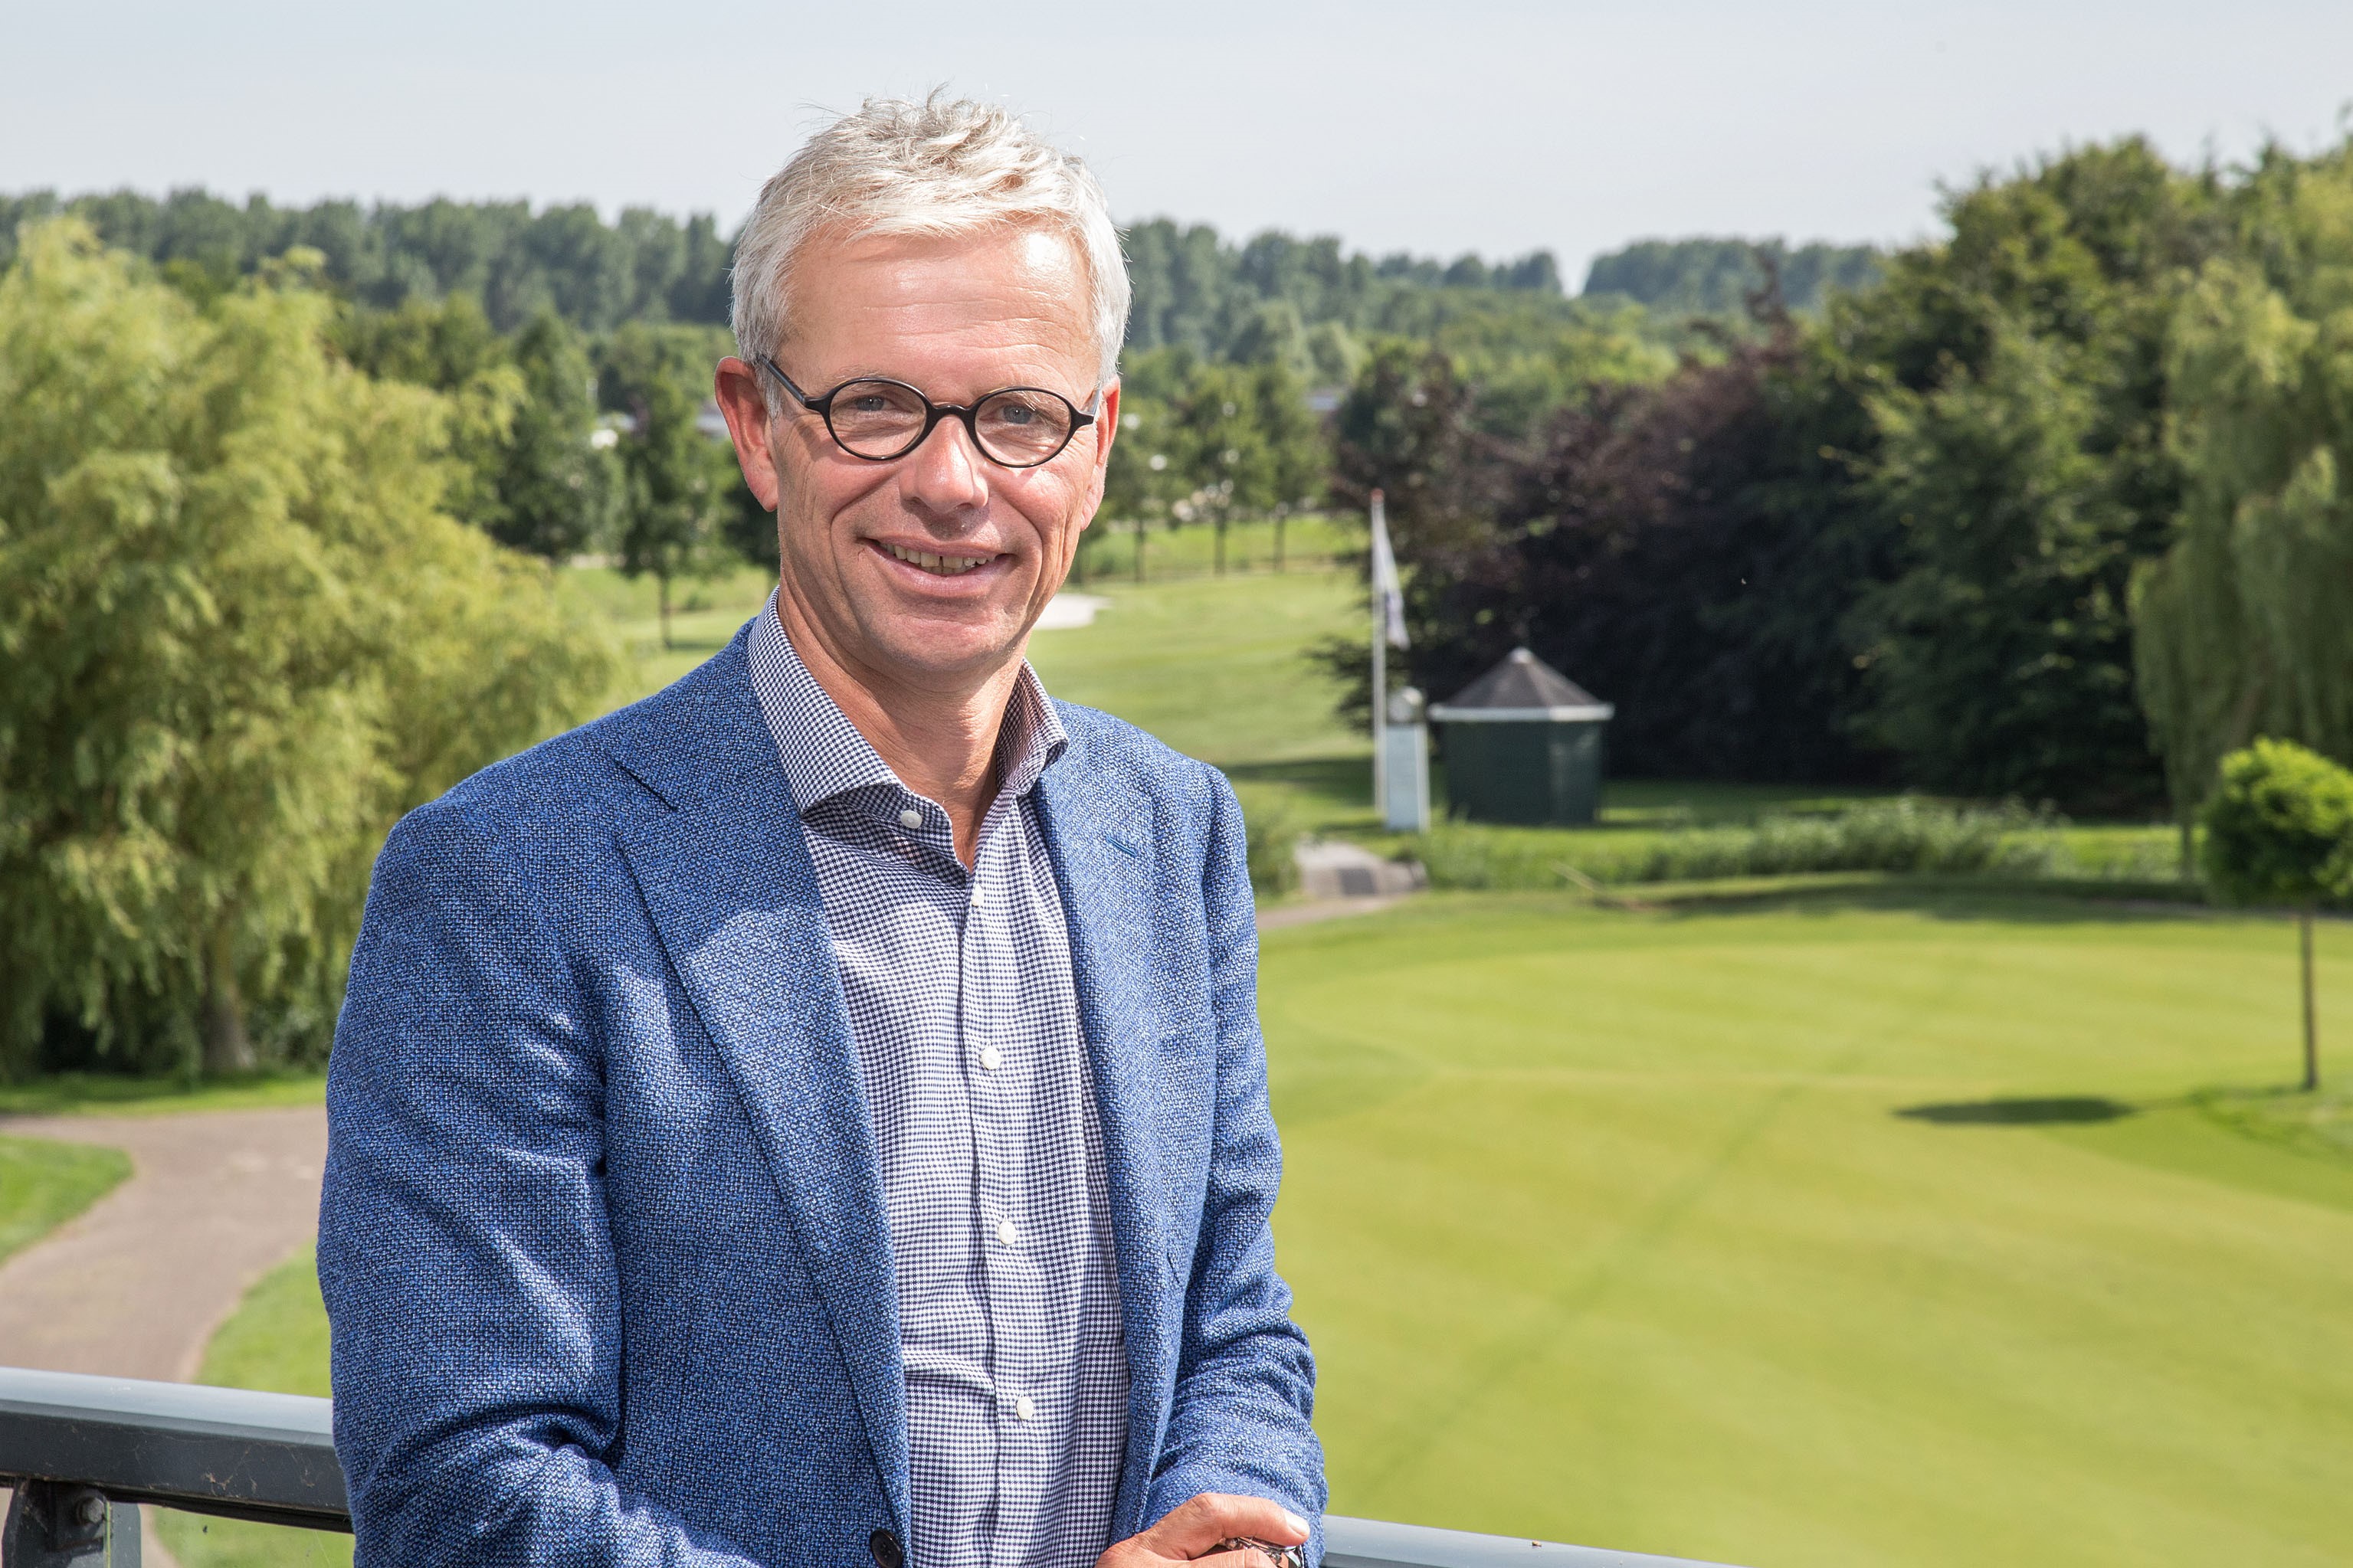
point(932, 567)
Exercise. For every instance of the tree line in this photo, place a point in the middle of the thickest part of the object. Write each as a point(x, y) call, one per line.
point(1717, 277)
point(2053, 509)
point(280, 492)
point(1194, 288)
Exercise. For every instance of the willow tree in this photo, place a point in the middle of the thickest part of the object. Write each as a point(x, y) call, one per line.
point(241, 635)
point(2240, 626)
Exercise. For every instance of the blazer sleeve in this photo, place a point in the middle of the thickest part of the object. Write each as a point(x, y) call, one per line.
point(1239, 1421)
point(463, 1248)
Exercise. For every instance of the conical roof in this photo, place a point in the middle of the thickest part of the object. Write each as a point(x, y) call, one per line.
point(1523, 687)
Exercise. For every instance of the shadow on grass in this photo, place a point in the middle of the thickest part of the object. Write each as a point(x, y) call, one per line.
point(2309, 1121)
point(2048, 1112)
point(1343, 778)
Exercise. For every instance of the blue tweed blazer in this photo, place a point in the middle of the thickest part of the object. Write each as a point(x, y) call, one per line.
point(603, 1240)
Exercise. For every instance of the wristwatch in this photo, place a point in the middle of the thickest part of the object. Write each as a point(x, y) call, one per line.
point(1280, 1556)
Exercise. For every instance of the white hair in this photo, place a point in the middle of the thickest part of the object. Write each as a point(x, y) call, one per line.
point(944, 166)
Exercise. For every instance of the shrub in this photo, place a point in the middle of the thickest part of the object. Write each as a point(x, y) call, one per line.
point(1273, 831)
point(1907, 835)
point(2279, 830)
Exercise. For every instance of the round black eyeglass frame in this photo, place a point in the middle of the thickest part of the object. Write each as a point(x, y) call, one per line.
point(822, 407)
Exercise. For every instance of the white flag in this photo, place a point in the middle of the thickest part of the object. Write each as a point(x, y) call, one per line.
point(1389, 593)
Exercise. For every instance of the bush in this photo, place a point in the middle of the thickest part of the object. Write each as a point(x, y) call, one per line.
point(2279, 828)
point(1273, 831)
point(1906, 835)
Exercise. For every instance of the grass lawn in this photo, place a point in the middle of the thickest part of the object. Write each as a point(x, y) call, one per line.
point(105, 1094)
point(44, 1184)
point(1862, 1228)
point(1215, 668)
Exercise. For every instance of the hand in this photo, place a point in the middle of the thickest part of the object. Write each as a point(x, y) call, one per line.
point(1191, 1529)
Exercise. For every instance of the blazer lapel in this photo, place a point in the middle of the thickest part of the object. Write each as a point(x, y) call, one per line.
point(727, 878)
point(1098, 834)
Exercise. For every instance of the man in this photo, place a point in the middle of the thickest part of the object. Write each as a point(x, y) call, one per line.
point(817, 1115)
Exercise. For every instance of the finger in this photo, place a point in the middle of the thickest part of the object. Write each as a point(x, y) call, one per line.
point(1241, 1557)
point(1252, 1553)
point(1198, 1525)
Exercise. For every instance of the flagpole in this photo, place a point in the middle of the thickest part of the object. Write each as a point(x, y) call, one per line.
point(1380, 598)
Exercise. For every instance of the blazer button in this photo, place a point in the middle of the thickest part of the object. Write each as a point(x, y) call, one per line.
point(885, 1547)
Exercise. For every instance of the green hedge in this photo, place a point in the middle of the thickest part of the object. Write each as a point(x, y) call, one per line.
point(1903, 834)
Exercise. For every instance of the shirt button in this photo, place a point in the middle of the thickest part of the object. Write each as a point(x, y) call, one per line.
point(1025, 1407)
point(991, 1058)
point(910, 818)
point(1006, 1233)
point(979, 895)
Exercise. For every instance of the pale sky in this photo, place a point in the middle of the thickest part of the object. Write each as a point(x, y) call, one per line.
point(1438, 127)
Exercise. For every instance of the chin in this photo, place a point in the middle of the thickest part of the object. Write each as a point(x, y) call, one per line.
point(947, 650)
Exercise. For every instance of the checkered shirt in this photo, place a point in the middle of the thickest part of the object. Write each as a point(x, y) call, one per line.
point(966, 1026)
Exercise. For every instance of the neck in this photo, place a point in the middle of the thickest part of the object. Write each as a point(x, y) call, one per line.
point(939, 737)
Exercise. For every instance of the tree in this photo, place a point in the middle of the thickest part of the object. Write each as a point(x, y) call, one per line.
point(240, 638)
point(1685, 551)
point(450, 346)
point(2279, 830)
point(679, 479)
point(1999, 653)
point(2242, 625)
point(557, 490)
point(1140, 483)
point(1406, 429)
point(2015, 379)
point(1223, 451)
point(1296, 454)
point(522, 418)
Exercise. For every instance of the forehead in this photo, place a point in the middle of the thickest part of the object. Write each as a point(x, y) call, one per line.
point(1017, 291)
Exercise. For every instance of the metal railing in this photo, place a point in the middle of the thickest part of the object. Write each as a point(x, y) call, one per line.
point(82, 1453)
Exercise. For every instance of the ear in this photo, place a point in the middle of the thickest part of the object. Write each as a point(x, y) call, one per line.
point(1107, 422)
point(1106, 427)
point(737, 388)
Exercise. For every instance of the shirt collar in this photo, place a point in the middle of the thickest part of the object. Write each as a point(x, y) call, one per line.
point(824, 755)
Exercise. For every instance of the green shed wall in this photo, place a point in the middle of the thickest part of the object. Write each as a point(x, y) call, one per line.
point(1547, 772)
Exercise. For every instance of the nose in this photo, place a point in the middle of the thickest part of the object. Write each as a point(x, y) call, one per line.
point(946, 474)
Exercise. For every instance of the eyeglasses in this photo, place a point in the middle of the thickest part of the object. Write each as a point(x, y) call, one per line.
point(879, 419)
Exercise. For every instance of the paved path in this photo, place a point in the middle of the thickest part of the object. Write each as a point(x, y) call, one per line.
point(137, 1284)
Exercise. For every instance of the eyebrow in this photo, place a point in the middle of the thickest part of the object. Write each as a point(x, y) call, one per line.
point(1086, 402)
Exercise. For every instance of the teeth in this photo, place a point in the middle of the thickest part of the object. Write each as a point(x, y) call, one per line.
point(939, 565)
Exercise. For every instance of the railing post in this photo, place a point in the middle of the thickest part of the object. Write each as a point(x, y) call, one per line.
point(53, 1524)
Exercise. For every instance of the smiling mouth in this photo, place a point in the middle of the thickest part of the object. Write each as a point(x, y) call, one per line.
point(938, 566)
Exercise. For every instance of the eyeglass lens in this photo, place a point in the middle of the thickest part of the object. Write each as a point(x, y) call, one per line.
point(884, 419)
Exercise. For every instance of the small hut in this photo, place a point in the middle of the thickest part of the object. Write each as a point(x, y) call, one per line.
point(1523, 743)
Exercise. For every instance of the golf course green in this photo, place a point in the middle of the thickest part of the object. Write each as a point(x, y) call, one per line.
point(1842, 1230)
